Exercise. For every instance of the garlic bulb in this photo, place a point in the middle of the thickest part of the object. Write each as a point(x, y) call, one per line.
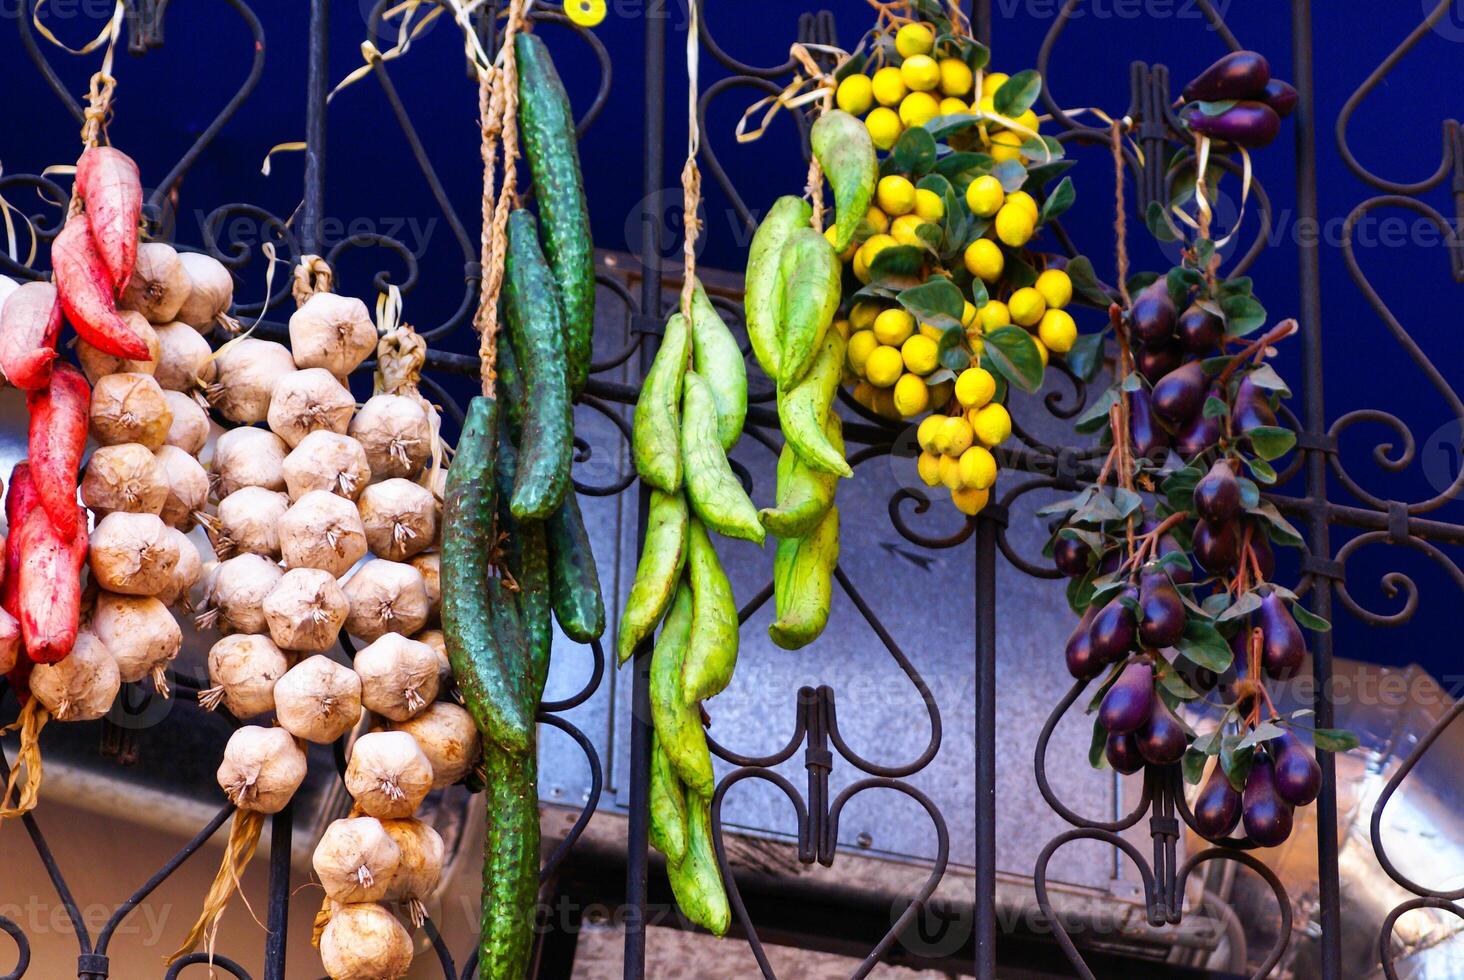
point(446, 735)
point(321, 530)
point(159, 283)
point(185, 360)
point(327, 461)
point(242, 671)
point(210, 291)
point(387, 774)
point(365, 942)
point(385, 597)
point(318, 700)
point(305, 610)
point(96, 365)
point(396, 435)
point(332, 332)
point(236, 596)
point(400, 518)
point(262, 768)
point(306, 401)
point(129, 408)
point(187, 483)
point(398, 676)
point(141, 634)
point(132, 554)
point(356, 860)
point(248, 457)
point(248, 521)
point(190, 427)
point(127, 478)
point(82, 685)
point(248, 370)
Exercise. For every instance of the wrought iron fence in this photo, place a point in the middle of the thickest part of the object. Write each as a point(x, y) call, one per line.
point(1303, 491)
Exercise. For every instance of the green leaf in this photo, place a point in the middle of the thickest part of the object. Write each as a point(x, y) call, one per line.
point(1017, 93)
point(914, 151)
point(1097, 744)
point(1215, 408)
point(1263, 732)
point(937, 302)
point(1018, 272)
point(1179, 282)
point(1250, 494)
point(1058, 201)
point(1236, 286)
point(1158, 223)
point(1264, 376)
point(1271, 441)
point(1085, 283)
point(1236, 760)
point(1010, 173)
point(951, 351)
point(1043, 148)
point(950, 224)
point(1243, 606)
point(961, 168)
point(1282, 530)
point(1305, 617)
point(1039, 175)
point(1095, 416)
point(1194, 765)
point(1172, 682)
point(1139, 280)
point(898, 267)
point(1215, 108)
point(942, 128)
point(1334, 739)
point(1243, 315)
point(1015, 355)
point(1086, 356)
point(975, 54)
point(1203, 646)
point(1126, 501)
point(1261, 470)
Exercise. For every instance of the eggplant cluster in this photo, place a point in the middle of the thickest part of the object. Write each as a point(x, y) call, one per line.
point(1237, 101)
point(1283, 776)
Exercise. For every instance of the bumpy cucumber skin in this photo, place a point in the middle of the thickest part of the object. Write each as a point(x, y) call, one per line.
point(810, 270)
point(804, 494)
point(574, 582)
point(716, 493)
point(656, 425)
point(717, 358)
point(668, 805)
point(546, 133)
point(845, 151)
point(662, 558)
point(527, 556)
point(711, 654)
point(678, 723)
point(490, 666)
point(803, 571)
point(510, 864)
point(763, 297)
point(804, 408)
point(536, 331)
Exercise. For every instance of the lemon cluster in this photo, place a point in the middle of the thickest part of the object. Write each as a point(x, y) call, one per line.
point(955, 450)
point(892, 361)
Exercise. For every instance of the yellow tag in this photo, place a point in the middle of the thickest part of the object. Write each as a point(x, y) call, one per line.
point(586, 13)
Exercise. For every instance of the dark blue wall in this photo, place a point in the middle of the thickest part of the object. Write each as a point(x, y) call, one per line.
point(165, 100)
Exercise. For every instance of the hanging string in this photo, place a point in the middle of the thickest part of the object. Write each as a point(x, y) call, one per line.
point(1120, 213)
point(690, 173)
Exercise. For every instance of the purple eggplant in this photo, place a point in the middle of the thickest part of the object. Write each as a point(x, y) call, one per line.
point(1180, 394)
point(1129, 702)
point(1150, 440)
point(1282, 647)
point(1199, 330)
point(1266, 815)
point(1071, 556)
point(1161, 611)
point(1079, 652)
point(1114, 629)
point(1122, 753)
point(1217, 808)
point(1162, 739)
point(1197, 435)
point(1155, 362)
point(1238, 75)
point(1252, 408)
point(1216, 546)
point(1248, 124)
point(1152, 316)
point(1217, 495)
point(1280, 96)
point(1298, 777)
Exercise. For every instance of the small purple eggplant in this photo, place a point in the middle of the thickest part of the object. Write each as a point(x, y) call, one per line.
point(1071, 556)
point(1280, 96)
point(1150, 440)
point(1217, 495)
point(1180, 394)
point(1079, 652)
point(1162, 739)
point(1283, 647)
point(1152, 316)
point(1196, 436)
point(1114, 629)
point(1199, 330)
point(1122, 752)
point(1238, 75)
point(1155, 362)
point(1266, 815)
point(1216, 546)
point(1247, 124)
point(1129, 702)
point(1217, 808)
point(1298, 777)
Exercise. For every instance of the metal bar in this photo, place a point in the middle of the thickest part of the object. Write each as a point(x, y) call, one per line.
point(281, 832)
point(985, 911)
point(312, 207)
point(1309, 281)
point(652, 172)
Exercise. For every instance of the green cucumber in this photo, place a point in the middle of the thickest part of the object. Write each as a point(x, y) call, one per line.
point(804, 409)
point(668, 805)
point(696, 880)
point(678, 723)
point(656, 575)
point(510, 864)
point(573, 580)
point(526, 555)
point(711, 654)
point(716, 493)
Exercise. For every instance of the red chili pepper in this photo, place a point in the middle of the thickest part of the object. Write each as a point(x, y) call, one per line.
point(87, 293)
point(58, 423)
point(107, 180)
point(49, 586)
point(29, 324)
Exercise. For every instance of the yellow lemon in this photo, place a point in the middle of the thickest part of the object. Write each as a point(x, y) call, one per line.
point(1057, 331)
point(953, 107)
point(913, 39)
point(1025, 201)
point(910, 395)
point(926, 431)
point(861, 317)
point(984, 196)
point(877, 220)
point(1027, 120)
point(893, 326)
point(969, 500)
point(895, 195)
point(974, 387)
point(990, 83)
point(931, 331)
point(849, 249)
point(977, 345)
point(955, 77)
point(888, 86)
point(991, 424)
point(918, 108)
point(585, 13)
point(920, 73)
point(978, 468)
point(861, 345)
point(1014, 226)
point(929, 205)
point(855, 95)
point(920, 354)
point(1042, 353)
point(884, 127)
point(1026, 306)
point(968, 313)
point(1006, 145)
point(872, 246)
point(955, 436)
point(906, 229)
point(994, 314)
point(884, 366)
point(984, 260)
point(928, 466)
point(860, 267)
point(949, 469)
point(1056, 288)
point(984, 104)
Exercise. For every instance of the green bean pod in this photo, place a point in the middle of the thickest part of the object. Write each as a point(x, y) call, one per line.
point(845, 151)
point(803, 583)
point(804, 493)
point(668, 805)
point(763, 296)
point(678, 723)
point(696, 880)
point(804, 409)
point(711, 654)
point(656, 427)
point(811, 274)
point(716, 493)
point(662, 557)
point(718, 359)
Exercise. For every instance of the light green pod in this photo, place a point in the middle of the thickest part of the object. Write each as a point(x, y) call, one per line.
point(845, 151)
point(811, 274)
point(804, 494)
point(716, 493)
point(658, 572)
point(718, 359)
point(657, 421)
point(678, 724)
point(711, 654)
point(668, 806)
point(804, 408)
point(763, 296)
point(696, 880)
point(803, 583)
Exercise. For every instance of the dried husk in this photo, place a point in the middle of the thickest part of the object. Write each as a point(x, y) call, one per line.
point(398, 676)
point(305, 610)
point(365, 942)
point(262, 768)
point(142, 635)
point(248, 521)
point(159, 283)
point(446, 735)
point(185, 360)
point(396, 435)
point(129, 478)
point(190, 427)
point(187, 483)
point(309, 400)
point(322, 530)
point(185, 574)
point(356, 860)
point(327, 461)
point(97, 364)
point(132, 554)
point(242, 671)
point(248, 370)
point(400, 518)
point(236, 596)
point(248, 457)
point(81, 686)
point(385, 597)
point(129, 407)
point(210, 291)
point(333, 332)
point(318, 699)
point(388, 775)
